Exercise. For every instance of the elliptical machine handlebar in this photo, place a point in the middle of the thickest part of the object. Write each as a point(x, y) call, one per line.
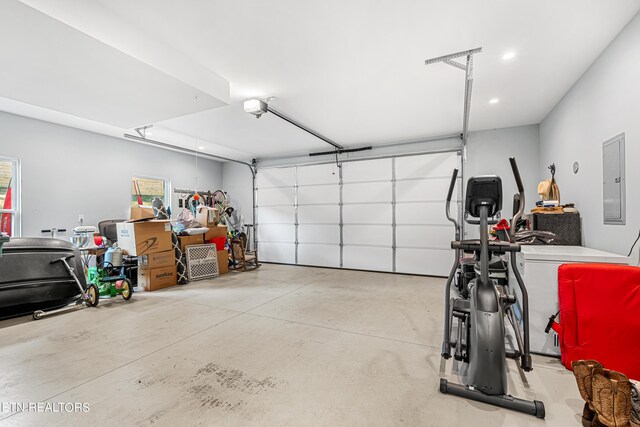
point(526, 356)
point(452, 185)
point(518, 215)
point(516, 174)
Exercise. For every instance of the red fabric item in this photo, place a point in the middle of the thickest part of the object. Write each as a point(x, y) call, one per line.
point(219, 242)
point(600, 315)
point(502, 225)
point(5, 220)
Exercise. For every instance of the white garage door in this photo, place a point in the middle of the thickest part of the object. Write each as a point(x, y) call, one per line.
point(367, 214)
point(318, 215)
point(423, 233)
point(276, 201)
point(379, 214)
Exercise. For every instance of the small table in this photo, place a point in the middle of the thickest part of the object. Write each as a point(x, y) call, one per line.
point(566, 226)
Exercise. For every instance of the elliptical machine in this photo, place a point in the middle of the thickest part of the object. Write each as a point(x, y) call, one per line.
point(480, 337)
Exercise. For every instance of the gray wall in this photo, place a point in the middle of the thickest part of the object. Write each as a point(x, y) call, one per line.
point(238, 184)
point(488, 152)
point(67, 172)
point(603, 103)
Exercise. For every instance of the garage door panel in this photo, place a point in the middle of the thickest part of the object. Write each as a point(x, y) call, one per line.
point(381, 235)
point(318, 194)
point(367, 214)
point(423, 189)
point(378, 192)
point(277, 252)
point(318, 174)
point(368, 258)
point(432, 262)
point(423, 213)
point(424, 236)
point(321, 255)
point(427, 165)
point(319, 234)
point(319, 214)
point(276, 233)
point(367, 170)
point(276, 214)
point(276, 177)
point(276, 196)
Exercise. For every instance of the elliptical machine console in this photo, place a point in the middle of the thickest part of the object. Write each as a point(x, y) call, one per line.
point(480, 333)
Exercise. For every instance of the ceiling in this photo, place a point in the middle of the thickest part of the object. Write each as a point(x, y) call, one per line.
point(354, 71)
point(59, 68)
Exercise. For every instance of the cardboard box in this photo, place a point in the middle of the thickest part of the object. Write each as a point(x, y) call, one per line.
point(190, 240)
point(141, 212)
point(207, 217)
point(146, 237)
point(223, 262)
point(157, 278)
point(215, 231)
point(157, 260)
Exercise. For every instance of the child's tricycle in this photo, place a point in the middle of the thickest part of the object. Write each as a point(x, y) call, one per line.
point(110, 281)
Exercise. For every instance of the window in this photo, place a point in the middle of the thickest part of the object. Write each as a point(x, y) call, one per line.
point(144, 190)
point(10, 196)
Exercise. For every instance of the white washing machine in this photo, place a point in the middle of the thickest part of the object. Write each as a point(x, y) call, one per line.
point(538, 266)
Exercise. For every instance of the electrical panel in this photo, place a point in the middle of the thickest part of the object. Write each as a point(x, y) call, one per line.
point(613, 178)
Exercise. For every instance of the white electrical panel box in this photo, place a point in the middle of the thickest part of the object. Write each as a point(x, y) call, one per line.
point(613, 179)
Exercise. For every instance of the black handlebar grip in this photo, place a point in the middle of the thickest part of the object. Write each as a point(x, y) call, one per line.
point(516, 174)
point(62, 230)
point(45, 231)
point(452, 185)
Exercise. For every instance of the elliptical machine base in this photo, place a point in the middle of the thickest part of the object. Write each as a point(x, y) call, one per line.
point(535, 408)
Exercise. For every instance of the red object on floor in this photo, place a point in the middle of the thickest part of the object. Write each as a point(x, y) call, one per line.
point(600, 315)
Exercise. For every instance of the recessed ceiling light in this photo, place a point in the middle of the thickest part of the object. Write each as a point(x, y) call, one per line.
point(508, 56)
point(494, 101)
point(201, 147)
point(147, 133)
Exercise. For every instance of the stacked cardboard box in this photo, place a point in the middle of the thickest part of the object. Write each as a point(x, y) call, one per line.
point(223, 256)
point(207, 217)
point(190, 240)
point(157, 271)
point(223, 261)
point(215, 231)
point(150, 241)
point(141, 213)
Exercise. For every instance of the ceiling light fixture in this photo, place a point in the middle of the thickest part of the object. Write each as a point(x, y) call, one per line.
point(200, 147)
point(508, 56)
point(494, 101)
point(255, 106)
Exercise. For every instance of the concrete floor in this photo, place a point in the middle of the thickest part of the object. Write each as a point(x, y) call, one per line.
point(282, 345)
